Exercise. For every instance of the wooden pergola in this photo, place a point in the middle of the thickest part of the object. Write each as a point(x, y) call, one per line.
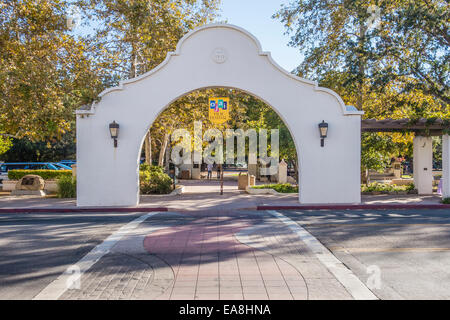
point(425, 127)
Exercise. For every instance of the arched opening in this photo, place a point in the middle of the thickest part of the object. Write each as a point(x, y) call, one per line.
point(248, 114)
point(217, 56)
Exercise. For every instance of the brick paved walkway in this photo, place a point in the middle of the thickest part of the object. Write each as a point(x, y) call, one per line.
point(249, 255)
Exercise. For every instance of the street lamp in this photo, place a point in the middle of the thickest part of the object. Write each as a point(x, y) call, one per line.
point(323, 128)
point(114, 131)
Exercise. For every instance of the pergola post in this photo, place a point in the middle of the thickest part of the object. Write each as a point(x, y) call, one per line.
point(423, 164)
point(446, 166)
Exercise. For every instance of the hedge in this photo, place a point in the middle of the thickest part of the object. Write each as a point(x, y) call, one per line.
point(386, 188)
point(280, 187)
point(67, 187)
point(45, 174)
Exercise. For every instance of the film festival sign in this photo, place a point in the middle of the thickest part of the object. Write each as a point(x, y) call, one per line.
point(219, 110)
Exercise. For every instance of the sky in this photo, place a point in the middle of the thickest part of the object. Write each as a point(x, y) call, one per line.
point(256, 17)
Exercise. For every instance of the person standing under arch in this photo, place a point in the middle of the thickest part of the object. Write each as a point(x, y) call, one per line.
point(210, 168)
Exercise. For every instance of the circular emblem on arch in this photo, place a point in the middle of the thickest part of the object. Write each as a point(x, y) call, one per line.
point(219, 55)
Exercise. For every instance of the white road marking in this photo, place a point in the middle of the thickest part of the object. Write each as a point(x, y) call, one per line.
point(344, 275)
point(58, 286)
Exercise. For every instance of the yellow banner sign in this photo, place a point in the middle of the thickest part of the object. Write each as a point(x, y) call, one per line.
point(219, 110)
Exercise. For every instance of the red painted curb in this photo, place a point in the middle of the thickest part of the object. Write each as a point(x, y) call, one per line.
point(62, 210)
point(357, 206)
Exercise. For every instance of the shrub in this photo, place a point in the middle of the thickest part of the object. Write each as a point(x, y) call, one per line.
point(153, 180)
point(280, 187)
point(67, 187)
point(446, 201)
point(147, 167)
point(45, 174)
point(387, 188)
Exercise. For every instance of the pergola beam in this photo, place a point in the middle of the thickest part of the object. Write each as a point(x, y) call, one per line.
point(421, 126)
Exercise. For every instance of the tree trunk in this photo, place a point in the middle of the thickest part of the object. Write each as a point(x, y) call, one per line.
point(365, 176)
point(167, 156)
point(148, 148)
point(361, 66)
point(162, 151)
point(296, 171)
point(133, 61)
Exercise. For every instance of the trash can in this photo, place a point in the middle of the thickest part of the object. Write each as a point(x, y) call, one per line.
point(243, 181)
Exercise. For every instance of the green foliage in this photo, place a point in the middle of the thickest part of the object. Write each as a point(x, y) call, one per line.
point(376, 150)
point(47, 70)
point(150, 168)
point(67, 187)
point(263, 116)
point(152, 180)
point(247, 112)
point(386, 188)
point(132, 37)
point(437, 149)
point(446, 201)
point(279, 187)
point(25, 150)
point(408, 51)
point(45, 73)
point(5, 144)
point(396, 70)
point(45, 174)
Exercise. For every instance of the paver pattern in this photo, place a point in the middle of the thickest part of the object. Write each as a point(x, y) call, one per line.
point(203, 256)
point(227, 252)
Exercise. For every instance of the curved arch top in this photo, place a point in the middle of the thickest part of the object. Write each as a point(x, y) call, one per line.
point(218, 55)
point(346, 110)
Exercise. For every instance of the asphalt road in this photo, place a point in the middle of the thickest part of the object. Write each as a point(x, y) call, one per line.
point(408, 249)
point(36, 248)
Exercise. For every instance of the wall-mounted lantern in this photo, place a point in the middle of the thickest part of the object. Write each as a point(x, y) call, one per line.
point(114, 131)
point(323, 128)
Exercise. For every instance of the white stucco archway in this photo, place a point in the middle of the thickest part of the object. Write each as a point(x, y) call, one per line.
point(217, 55)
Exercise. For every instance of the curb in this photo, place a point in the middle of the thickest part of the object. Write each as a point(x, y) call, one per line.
point(356, 206)
point(263, 207)
point(62, 210)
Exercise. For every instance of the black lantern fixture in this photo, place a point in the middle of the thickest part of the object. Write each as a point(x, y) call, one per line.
point(114, 131)
point(323, 128)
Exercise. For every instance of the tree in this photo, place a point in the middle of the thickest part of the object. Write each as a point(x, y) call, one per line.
point(44, 71)
point(29, 151)
point(194, 107)
point(262, 116)
point(407, 53)
point(5, 144)
point(396, 69)
point(133, 37)
point(377, 150)
point(415, 35)
point(247, 112)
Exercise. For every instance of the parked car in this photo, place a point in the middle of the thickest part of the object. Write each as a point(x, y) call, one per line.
point(5, 167)
point(62, 166)
point(68, 162)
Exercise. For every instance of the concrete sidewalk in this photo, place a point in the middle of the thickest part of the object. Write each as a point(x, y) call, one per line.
point(205, 195)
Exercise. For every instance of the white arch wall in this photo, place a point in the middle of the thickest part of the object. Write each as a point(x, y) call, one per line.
point(108, 176)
